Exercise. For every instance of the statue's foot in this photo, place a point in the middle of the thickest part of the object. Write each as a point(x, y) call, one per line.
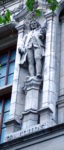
point(29, 77)
point(39, 76)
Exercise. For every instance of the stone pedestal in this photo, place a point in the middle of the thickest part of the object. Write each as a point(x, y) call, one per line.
point(30, 115)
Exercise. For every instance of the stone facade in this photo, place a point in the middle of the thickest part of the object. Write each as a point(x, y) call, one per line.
point(37, 101)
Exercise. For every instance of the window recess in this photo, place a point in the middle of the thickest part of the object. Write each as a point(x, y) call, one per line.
point(7, 61)
point(4, 116)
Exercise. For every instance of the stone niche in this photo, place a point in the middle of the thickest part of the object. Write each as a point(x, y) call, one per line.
point(32, 54)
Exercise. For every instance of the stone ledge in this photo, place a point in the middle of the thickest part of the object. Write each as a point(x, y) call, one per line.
point(36, 131)
point(6, 89)
point(22, 133)
point(29, 111)
point(11, 121)
point(60, 103)
point(61, 97)
point(45, 109)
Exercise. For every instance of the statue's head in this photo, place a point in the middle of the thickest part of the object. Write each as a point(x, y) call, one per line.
point(34, 24)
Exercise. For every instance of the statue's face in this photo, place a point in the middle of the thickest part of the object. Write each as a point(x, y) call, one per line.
point(33, 25)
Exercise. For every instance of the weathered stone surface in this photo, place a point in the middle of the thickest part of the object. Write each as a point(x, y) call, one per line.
point(35, 101)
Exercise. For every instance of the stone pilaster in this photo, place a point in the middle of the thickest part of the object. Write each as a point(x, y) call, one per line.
point(49, 97)
point(30, 114)
point(62, 59)
point(60, 103)
point(17, 98)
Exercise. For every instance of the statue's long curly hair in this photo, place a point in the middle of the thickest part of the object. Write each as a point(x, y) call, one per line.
point(34, 24)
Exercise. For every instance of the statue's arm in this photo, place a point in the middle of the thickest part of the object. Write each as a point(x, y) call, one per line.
point(42, 34)
point(21, 49)
point(43, 30)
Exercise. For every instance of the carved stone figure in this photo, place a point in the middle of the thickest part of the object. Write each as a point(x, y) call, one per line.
point(32, 46)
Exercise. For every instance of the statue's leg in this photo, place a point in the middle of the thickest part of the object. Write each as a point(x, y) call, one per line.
point(30, 55)
point(38, 68)
point(38, 61)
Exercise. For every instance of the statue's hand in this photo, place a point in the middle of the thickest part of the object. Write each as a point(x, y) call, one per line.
point(42, 33)
point(20, 51)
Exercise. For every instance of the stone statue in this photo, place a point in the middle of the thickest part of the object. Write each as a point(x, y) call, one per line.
point(32, 47)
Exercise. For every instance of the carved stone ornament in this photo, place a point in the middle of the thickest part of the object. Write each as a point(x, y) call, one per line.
point(19, 12)
point(33, 47)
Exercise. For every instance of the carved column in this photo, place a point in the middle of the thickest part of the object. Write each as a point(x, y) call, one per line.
point(49, 96)
point(30, 114)
point(17, 99)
